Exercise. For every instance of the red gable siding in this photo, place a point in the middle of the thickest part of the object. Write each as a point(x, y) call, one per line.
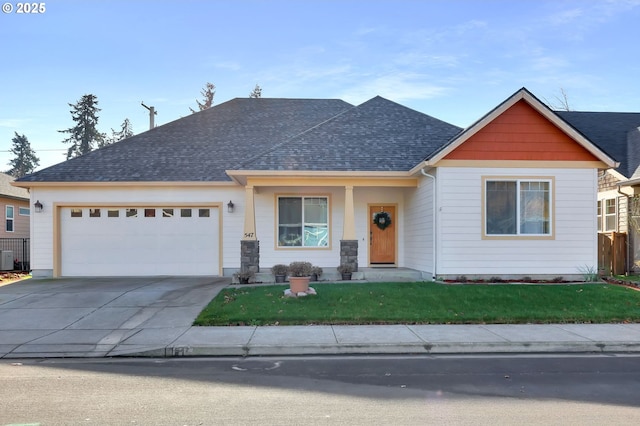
point(521, 133)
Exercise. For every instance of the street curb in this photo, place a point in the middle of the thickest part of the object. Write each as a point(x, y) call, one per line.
point(390, 349)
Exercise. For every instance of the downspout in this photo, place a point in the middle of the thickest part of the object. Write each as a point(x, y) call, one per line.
point(433, 225)
point(627, 263)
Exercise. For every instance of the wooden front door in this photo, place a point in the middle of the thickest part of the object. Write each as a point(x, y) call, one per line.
point(382, 242)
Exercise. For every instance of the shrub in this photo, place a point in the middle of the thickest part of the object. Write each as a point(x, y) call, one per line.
point(300, 269)
point(279, 269)
point(345, 268)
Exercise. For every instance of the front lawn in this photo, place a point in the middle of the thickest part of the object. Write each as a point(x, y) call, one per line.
point(424, 303)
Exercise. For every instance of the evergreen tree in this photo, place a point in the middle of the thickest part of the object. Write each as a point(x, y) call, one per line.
point(126, 131)
point(208, 92)
point(25, 160)
point(256, 93)
point(84, 136)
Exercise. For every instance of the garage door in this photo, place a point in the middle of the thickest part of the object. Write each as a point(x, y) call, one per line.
point(135, 241)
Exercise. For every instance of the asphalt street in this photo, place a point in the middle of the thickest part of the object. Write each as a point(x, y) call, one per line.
point(354, 390)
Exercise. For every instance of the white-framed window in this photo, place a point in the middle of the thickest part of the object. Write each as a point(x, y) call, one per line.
point(518, 207)
point(599, 215)
point(303, 221)
point(610, 214)
point(24, 211)
point(9, 216)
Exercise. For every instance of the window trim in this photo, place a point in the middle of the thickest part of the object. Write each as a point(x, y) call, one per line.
point(606, 215)
point(552, 208)
point(276, 223)
point(7, 218)
point(20, 209)
point(599, 215)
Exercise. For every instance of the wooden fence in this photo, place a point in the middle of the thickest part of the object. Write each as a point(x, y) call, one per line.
point(612, 253)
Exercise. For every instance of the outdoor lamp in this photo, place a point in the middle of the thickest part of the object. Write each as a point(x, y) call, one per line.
point(230, 206)
point(38, 205)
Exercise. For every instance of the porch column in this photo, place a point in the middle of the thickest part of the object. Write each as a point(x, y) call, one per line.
point(349, 242)
point(349, 227)
point(249, 233)
point(249, 245)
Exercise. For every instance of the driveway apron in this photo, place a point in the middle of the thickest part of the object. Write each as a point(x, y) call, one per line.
point(97, 317)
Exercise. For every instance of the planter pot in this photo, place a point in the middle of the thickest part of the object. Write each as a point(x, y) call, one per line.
point(243, 280)
point(346, 276)
point(299, 284)
point(280, 278)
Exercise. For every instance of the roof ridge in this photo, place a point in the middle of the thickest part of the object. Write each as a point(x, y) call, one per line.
point(280, 144)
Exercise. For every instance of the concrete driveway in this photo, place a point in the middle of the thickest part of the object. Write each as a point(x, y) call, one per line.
point(98, 317)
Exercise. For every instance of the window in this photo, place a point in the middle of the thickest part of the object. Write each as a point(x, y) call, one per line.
point(113, 213)
point(8, 212)
point(303, 222)
point(599, 214)
point(185, 212)
point(131, 212)
point(94, 212)
point(76, 212)
point(149, 212)
point(167, 212)
point(518, 207)
point(24, 211)
point(610, 215)
point(204, 213)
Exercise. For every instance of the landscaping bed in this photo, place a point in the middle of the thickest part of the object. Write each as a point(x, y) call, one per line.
point(9, 276)
point(425, 303)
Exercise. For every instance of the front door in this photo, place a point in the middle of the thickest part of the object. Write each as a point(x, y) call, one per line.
point(382, 235)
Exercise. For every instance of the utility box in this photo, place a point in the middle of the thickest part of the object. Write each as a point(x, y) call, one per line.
point(6, 260)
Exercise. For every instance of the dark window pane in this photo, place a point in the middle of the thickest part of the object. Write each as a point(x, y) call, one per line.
point(501, 207)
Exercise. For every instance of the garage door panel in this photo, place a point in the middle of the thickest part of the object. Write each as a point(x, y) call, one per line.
point(130, 246)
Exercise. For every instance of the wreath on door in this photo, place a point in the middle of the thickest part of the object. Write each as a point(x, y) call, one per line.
point(382, 220)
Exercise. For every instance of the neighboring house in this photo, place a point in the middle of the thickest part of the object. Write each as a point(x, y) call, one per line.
point(14, 204)
point(15, 210)
point(251, 183)
point(617, 133)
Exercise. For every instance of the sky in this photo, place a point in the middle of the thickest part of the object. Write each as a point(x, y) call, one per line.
point(454, 60)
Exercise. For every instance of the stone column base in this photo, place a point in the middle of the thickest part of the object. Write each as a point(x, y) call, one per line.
point(250, 256)
point(349, 253)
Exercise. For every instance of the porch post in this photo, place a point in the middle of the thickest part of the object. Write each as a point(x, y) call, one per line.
point(349, 227)
point(249, 245)
point(349, 242)
point(249, 232)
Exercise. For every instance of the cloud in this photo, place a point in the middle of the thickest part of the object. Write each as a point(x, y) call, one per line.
point(399, 87)
point(228, 65)
point(13, 122)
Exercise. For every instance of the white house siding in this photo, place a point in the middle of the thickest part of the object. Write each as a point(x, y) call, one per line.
point(418, 225)
point(43, 228)
point(266, 224)
point(462, 251)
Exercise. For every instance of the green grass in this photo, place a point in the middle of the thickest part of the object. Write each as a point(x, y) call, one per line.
point(424, 303)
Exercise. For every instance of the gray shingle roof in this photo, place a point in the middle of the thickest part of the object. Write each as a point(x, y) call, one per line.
point(198, 147)
point(611, 132)
point(378, 135)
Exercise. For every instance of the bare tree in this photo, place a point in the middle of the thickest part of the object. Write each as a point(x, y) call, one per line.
point(208, 92)
point(560, 102)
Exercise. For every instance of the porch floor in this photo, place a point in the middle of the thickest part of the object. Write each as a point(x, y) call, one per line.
point(363, 274)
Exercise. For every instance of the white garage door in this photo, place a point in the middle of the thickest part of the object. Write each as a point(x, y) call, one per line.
point(138, 241)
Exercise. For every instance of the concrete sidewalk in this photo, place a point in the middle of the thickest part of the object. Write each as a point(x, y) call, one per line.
point(153, 316)
point(395, 339)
